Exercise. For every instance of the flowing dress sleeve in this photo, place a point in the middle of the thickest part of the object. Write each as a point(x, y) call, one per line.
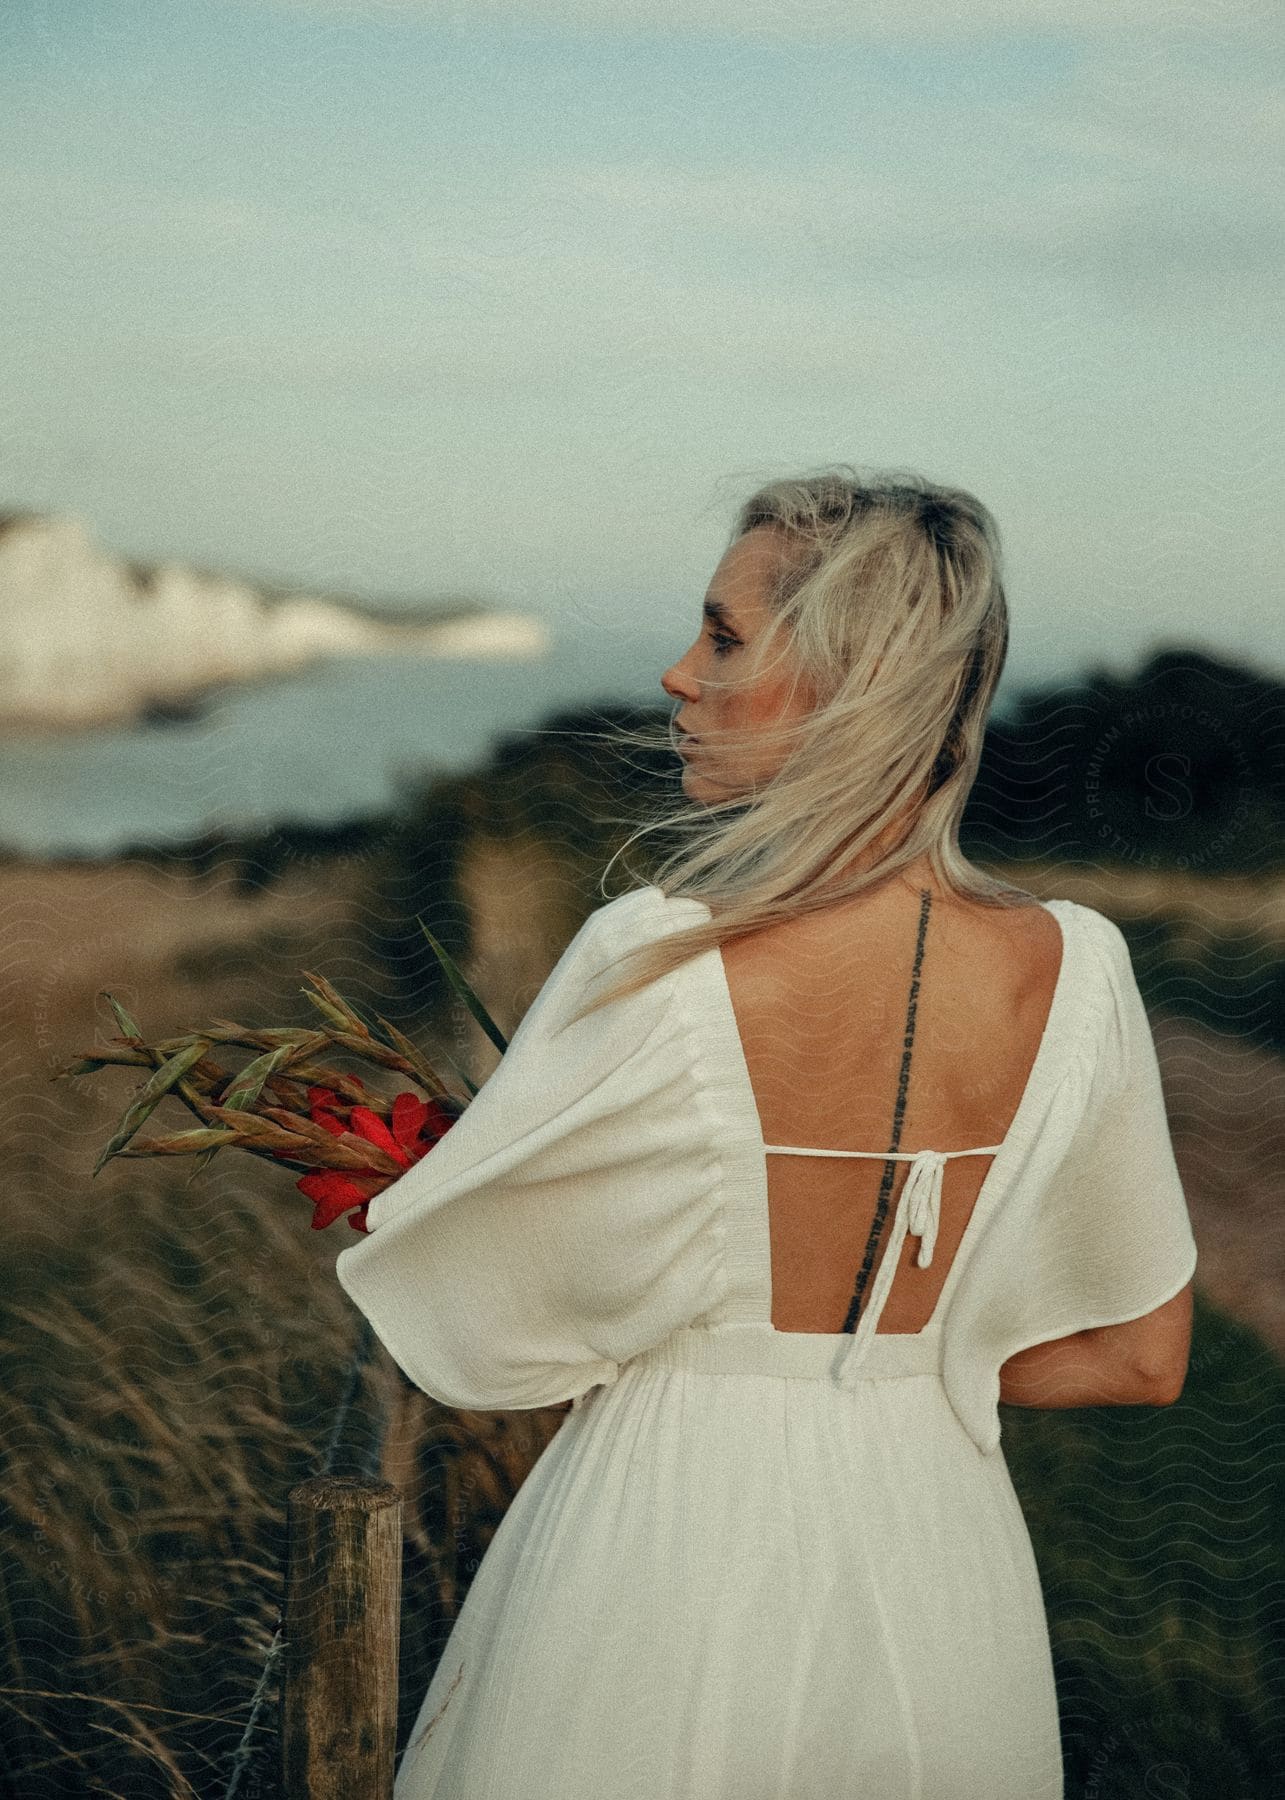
point(1098, 1232)
point(570, 1218)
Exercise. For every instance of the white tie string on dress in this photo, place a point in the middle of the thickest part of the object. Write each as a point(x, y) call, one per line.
point(918, 1212)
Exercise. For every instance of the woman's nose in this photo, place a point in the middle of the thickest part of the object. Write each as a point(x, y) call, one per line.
point(677, 684)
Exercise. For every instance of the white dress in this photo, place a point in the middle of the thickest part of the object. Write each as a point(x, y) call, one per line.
point(752, 1564)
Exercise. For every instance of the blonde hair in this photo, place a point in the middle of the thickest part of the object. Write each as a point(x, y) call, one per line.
point(888, 604)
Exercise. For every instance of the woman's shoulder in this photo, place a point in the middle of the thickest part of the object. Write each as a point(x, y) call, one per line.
point(1074, 916)
point(1052, 945)
point(634, 904)
point(642, 912)
point(1095, 928)
point(606, 935)
point(1105, 1018)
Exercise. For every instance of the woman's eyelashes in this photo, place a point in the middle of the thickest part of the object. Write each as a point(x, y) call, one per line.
point(722, 642)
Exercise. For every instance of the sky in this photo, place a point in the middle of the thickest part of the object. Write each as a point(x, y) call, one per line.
point(518, 298)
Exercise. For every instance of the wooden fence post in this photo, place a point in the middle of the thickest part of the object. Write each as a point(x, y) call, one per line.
point(339, 1672)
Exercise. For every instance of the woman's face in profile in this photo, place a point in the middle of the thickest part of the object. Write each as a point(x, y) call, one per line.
point(734, 612)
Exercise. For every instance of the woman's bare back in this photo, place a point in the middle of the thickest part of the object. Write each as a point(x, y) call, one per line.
point(821, 1006)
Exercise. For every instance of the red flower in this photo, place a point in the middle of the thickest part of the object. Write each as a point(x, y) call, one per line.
point(332, 1192)
point(320, 1101)
point(416, 1126)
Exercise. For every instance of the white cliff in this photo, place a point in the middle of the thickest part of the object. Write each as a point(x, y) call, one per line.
point(91, 639)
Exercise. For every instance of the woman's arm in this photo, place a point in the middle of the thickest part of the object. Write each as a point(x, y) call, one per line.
point(1142, 1362)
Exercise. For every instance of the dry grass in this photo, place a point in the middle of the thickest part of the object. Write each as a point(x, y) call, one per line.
point(163, 1383)
point(171, 1357)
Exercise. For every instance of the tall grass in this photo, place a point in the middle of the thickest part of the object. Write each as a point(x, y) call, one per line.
point(164, 1380)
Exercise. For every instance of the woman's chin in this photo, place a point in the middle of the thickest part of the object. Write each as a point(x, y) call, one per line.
point(700, 788)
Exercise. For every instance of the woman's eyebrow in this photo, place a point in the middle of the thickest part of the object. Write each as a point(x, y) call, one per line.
point(715, 610)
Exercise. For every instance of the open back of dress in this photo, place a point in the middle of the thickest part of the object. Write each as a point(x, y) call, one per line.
point(916, 1212)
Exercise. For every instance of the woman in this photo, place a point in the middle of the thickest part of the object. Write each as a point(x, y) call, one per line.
point(805, 1155)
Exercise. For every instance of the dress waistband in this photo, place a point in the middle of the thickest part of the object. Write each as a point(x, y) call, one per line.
point(753, 1348)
